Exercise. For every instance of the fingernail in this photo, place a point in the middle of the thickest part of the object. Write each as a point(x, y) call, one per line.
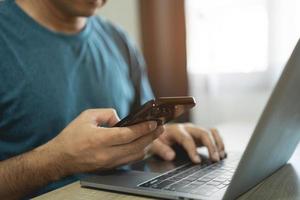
point(197, 159)
point(152, 125)
point(216, 156)
point(170, 155)
point(222, 154)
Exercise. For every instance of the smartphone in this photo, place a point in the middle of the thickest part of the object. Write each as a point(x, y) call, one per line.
point(162, 110)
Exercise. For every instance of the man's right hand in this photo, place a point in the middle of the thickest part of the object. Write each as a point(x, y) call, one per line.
point(85, 145)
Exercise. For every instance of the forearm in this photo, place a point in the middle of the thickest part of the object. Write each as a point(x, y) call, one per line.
point(23, 174)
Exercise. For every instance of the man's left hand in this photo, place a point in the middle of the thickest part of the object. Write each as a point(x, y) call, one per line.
point(189, 137)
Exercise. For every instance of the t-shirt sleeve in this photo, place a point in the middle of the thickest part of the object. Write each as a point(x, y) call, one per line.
point(134, 58)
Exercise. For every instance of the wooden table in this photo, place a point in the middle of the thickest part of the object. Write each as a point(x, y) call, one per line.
point(284, 184)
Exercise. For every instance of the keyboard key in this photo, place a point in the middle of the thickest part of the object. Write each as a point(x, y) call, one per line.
point(226, 182)
point(200, 182)
point(205, 179)
point(174, 179)
point(191, 178)
point(221, 186)
point(184, 182)
point(220, 179)
point(214, 183)
point(211, 176)
point(207, 170)
point(198, 174)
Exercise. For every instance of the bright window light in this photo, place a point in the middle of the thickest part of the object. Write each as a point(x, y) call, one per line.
point(229, 36)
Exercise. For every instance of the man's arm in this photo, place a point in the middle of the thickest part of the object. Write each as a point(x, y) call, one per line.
point(25, 173)
point(82, 146)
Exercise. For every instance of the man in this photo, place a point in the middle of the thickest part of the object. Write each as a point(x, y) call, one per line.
point(57, 61)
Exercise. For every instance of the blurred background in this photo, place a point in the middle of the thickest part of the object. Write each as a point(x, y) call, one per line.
point(228, 54)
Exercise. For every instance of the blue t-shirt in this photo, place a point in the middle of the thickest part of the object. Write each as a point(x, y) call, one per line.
point(48, 78)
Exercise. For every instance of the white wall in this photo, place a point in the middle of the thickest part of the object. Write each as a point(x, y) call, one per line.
point(124, 13)
point(241, 98)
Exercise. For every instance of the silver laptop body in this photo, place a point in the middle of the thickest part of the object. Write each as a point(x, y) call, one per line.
point(270, 147)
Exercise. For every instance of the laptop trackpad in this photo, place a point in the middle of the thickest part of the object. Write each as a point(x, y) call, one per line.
point(119, 177)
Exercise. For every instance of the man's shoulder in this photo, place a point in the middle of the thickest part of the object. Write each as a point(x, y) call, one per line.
point(116, 33)
point(108, 26)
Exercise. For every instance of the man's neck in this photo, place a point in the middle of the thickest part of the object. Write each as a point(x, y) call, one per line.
point(51, 17)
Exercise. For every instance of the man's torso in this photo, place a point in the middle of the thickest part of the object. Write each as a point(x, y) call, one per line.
point(47, 79)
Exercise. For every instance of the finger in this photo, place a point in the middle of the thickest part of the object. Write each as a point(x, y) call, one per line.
point(137, 145)
point(125, 135)
point(204, 137)
point(219, 142)
point(183, 138)
point(102, 116)
point(162, 150)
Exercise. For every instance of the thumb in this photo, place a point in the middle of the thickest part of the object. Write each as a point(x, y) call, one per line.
point(103, 116)
point(162, 150)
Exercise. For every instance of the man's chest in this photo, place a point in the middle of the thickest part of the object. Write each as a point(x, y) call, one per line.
point(53, 89)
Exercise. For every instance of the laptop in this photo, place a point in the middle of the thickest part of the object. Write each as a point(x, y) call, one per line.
point(271, 145)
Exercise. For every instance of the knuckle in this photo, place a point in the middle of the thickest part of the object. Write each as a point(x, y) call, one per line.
point(205, 137)
point(214, 135)
point(214, 130)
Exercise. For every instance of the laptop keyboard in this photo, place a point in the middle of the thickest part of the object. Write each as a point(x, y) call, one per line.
point(204, 179)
